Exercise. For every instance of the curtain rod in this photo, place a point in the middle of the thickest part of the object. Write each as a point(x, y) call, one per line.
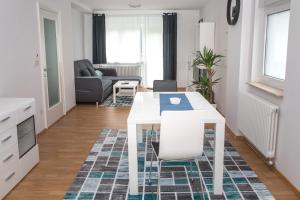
point(169, 13)
point(115, 14)
point(133, 12)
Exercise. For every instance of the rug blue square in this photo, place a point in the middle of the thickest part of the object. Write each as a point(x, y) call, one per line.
point(121, 101)
point(104, 174)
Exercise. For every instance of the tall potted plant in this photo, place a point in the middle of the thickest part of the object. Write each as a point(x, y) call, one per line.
point(207, 59)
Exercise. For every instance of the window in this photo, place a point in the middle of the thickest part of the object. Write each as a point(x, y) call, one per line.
point(136, 39)
point(123, 40)
point(277, 29)
point(153, 49)
point(270, 42)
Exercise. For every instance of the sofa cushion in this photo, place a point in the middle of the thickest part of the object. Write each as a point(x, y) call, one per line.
point(92, 71)
point(85, 72)
point(82, 65)
point(107, 92)
point(108, 71)
point(123, 78)
point(89, 66)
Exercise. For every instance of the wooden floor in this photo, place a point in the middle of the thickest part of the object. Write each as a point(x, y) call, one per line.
point(65, 146)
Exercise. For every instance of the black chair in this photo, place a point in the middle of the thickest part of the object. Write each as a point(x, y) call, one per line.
point(164, 86)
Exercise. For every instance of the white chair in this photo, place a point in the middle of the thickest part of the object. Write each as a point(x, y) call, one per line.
point(181, 138)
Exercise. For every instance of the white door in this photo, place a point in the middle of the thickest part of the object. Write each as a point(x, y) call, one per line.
point(50, 60)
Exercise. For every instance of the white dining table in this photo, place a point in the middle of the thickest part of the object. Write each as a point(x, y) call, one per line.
point(146, 110)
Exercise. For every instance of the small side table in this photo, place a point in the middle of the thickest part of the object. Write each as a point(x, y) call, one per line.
point(126, 88)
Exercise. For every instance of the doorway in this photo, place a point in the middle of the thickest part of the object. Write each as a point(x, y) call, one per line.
point(51, 65)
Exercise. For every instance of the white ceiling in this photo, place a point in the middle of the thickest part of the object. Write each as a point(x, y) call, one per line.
point(146, 4)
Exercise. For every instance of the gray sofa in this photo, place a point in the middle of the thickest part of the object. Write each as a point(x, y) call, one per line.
point(93, 86)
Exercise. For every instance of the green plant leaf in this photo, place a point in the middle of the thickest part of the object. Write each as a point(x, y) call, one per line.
point(209, 60)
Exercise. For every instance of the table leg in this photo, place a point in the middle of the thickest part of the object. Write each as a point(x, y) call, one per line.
point(139, 131)
point(134, 91)
point(114, 94)
point(219, 158)
point(132, 158)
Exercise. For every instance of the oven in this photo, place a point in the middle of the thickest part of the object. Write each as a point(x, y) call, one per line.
point(26, 136)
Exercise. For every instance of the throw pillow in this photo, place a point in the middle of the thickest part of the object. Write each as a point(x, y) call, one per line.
point(99, 73)
point(92, 71)
point(85, 72)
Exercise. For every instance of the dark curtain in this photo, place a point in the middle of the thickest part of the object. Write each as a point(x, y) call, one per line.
point(99, 39)
point(170, 45)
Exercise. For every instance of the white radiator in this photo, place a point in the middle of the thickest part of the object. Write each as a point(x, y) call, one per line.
point(125, 69)
point(258, 123)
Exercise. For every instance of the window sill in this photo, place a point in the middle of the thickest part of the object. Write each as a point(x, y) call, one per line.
point(266, 88)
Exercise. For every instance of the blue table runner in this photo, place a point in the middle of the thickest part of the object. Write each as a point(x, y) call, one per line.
point(165, 104)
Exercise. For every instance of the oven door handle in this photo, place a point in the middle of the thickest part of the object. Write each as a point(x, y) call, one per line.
point(5, 119)
point(8, 158)
point(27, 108)
point(6, 139)
point(10, 176)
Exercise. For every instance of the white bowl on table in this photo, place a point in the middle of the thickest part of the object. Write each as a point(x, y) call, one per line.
point(175, 100)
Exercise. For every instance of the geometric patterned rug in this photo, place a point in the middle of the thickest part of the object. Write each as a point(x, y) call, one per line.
point(104, 174)
point(121, 101)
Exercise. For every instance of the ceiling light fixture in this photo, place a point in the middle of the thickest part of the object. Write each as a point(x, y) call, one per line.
point(134, 4)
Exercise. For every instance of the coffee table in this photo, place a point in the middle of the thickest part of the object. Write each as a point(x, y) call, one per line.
point(126, 88)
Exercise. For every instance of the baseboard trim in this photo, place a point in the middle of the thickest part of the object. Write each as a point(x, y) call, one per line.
point(41, 132)
point(233, 135)
point(181, 89)
point(71, 109)
point(262, 157)
point(45, 129)
point(293, 188)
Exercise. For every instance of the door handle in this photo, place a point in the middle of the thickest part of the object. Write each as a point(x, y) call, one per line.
point(45, 72)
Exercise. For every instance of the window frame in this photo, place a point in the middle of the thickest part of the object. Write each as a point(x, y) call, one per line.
point(262, 77)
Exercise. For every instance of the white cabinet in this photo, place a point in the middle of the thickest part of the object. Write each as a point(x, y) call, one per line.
point(207, 35)
point(8, 138)
point(16, 113)
point(7, 119)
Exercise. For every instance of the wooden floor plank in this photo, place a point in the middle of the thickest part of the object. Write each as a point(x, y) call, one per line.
point(65, 146)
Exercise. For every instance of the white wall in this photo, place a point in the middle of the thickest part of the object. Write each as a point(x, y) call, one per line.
point(88, 36)
point(239, 64)
point(215, 11)
point(288, 138)
point(19, 75)
point(288, 161)
point(227, 43)
point(78, 34)
point(187, 42)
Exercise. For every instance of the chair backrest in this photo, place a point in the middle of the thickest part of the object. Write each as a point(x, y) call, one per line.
point(164, 86)
point(181, 135)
